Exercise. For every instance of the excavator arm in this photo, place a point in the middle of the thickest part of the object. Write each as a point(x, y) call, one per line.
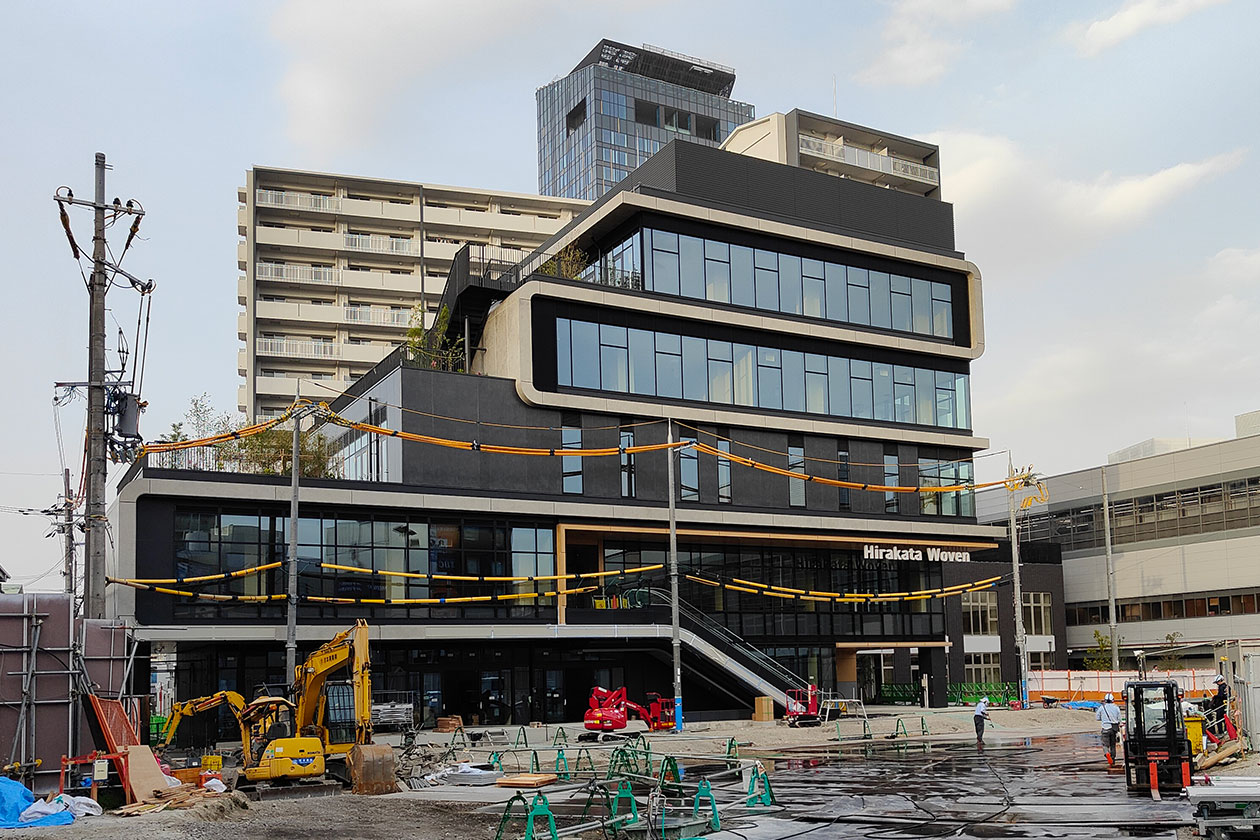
point(349, 647)
point(187, 708)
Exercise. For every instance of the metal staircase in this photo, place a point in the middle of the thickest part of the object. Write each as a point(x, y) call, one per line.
point(721, 645)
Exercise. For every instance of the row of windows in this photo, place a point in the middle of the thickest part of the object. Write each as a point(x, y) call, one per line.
point(1205, 606)
point(1195, 510)
point(707, 269)
point(209, 542)
point(798, 568)
point(632, 361)
point(980, 613)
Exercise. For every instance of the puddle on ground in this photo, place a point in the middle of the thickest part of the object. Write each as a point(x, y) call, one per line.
point(1043, 787)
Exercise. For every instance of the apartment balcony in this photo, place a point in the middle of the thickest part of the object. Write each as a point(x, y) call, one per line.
point(482, 220)
point(287, 387)
point(314, 203)
point(374, 244)
point(290, 348)
point(327, 276)
point(313, 313)
point(322, 240)
point(866, 165)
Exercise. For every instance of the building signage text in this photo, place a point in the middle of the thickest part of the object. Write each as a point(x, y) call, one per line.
point(914, 555)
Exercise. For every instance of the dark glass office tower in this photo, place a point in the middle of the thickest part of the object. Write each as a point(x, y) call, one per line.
point(619, 106)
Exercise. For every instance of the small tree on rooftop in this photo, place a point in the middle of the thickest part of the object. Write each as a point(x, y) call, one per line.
point(569, 262)
point(430, 346)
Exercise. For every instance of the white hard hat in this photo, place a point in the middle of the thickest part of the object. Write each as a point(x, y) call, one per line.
point(984, 699)
point(1109, 698)
point(1219, 678)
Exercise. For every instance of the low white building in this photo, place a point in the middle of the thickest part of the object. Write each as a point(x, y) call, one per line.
point(1185, 531)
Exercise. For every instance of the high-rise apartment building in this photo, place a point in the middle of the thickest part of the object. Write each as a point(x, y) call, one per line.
point(619, 106)
point(333, 266)
point(843, 149)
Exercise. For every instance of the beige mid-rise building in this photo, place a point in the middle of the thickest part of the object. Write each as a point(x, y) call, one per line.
point(333, 266)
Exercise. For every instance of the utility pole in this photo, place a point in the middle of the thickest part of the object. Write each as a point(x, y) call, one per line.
point(671, 453)
point(68, 532)
point(94, 523)
point(1111, 573)
point(290, 644)
point(1021, 639)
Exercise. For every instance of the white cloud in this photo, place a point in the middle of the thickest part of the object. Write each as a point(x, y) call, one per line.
point(1133, 17)
point(1011, 203)
point(350, 65)
point(917, 46)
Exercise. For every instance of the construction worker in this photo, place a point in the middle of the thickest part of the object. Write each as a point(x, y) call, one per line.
point(1218, 707)
point(981, 715)
point(1108, 715)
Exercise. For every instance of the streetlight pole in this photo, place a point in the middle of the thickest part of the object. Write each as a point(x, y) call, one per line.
point(673, 581)
point(1021, 639)
point(1111, 573)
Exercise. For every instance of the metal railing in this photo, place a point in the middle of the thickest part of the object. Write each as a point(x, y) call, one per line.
point(377, 315)
point(731, 643)
point(323, 274)
point(869, 160)
point(297, 200)
point(228, 460)
point(381, 244)
point(298, 349)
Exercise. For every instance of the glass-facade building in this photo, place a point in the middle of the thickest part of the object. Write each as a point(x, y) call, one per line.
point(619, 106)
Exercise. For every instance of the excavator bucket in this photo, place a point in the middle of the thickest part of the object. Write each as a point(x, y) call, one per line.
point(371, 769)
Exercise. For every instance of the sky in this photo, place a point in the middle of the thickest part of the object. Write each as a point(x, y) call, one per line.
point(1101, 159)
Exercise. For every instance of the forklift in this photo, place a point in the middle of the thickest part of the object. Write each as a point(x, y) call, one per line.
point(1157, 752)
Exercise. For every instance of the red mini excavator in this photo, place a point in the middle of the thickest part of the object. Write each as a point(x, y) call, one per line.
point(610, 710)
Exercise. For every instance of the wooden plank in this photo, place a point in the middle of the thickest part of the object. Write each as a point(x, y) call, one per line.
point(526, 780)
point(144, 776)
point(1223, 753)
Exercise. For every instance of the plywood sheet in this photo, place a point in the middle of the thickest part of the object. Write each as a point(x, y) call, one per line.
point(526, 780)
point(144, 776)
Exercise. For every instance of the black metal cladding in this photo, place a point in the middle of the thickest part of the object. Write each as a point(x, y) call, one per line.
point(718, 179)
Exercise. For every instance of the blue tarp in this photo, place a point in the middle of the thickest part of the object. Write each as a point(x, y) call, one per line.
point(15, 798)
point(1088, 705)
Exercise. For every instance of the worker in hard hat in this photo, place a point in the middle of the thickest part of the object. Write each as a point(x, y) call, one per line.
point(1108, 715)
point(980, 716)
point(1218, 706)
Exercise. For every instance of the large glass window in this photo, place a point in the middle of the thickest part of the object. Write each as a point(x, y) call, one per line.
point(724, 473)
point(892, 478)
point(627, 463)
point(689, 472)
point(1037, 614)
point(571, 465)
point(982, 668)
point(842, 473)
point(796, 464)
point(621, 360)
point(709, 269)
point(979, 610)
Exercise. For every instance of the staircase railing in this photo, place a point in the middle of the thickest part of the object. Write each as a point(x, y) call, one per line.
point(732, 644)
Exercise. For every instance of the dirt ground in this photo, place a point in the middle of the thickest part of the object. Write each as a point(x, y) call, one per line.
point(403, 815)
point(348, 816)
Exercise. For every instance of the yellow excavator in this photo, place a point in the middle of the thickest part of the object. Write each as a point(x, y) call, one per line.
point(370, 767)
point(269, 753)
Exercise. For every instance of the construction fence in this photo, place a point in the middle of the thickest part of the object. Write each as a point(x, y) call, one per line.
point(1066, 686)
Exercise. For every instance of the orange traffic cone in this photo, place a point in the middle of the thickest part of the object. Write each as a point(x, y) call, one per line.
point(1111, 760)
